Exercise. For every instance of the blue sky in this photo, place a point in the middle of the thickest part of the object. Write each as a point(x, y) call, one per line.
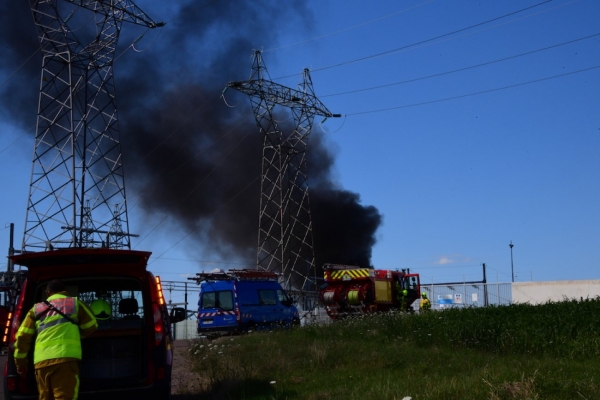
point(458, 163)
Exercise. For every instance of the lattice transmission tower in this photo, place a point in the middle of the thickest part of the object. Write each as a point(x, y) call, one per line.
point(285, 241)
point(77, 190)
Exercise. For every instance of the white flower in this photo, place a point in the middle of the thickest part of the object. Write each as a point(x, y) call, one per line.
point(273, 382)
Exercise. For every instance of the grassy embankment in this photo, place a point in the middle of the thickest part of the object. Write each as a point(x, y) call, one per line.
point(545, 352)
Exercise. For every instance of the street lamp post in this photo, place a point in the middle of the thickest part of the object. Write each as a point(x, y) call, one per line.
point(512, 269)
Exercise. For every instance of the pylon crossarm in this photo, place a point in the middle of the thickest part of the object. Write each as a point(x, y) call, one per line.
point(130, 12)
point(282, 95)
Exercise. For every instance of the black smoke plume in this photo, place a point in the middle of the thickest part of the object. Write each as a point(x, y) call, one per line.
point(189, 156)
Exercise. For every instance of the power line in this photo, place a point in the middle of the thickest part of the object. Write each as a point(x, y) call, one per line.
point(462, 69)
point(451, 266)
point(475, 93)
point(193, 189)
point(497, 271)
point(20, 66)
point(195, 156)
point(424, 41)
point(218, 209)
point(17, 139)
point(207, 261)
point(350, 28)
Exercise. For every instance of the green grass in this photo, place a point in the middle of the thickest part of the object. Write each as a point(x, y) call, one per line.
point(549, 351)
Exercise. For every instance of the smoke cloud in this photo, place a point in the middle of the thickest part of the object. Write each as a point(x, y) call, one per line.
point(188, 155)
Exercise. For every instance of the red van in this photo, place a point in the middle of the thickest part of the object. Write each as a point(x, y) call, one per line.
point(130, 355)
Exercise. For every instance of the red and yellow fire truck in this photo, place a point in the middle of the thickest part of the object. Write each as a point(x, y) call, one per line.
point(351, 290)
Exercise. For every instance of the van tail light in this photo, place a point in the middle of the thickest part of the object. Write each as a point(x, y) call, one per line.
point(6, 329)
point(159, 323)
point(161, 298)
point(159, 330)
point(16, 317)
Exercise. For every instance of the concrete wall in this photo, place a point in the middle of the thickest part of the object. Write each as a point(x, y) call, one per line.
point(541, 292)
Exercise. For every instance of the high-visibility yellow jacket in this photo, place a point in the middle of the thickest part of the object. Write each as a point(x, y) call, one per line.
point(58, 339)
point(425, 305)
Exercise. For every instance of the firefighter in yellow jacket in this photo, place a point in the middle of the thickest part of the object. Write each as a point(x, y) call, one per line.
point(59, 323)
point(425, 304)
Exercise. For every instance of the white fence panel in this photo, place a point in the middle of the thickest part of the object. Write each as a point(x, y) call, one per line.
point(185, 329)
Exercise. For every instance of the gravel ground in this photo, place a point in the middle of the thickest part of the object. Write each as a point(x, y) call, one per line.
point(184, 380)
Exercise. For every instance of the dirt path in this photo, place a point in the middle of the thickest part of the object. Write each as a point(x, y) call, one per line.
point(184, 381)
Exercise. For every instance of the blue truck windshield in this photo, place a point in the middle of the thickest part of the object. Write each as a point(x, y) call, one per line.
point(222, 300)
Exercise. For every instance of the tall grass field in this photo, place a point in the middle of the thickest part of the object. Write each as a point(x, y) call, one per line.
point(549, 351)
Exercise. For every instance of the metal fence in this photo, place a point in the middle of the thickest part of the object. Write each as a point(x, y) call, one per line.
point(441, 296)
point(467, 295)
point(186, 329)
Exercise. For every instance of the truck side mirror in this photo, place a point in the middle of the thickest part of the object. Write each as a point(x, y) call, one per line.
point(288, 302)
point(177, 314)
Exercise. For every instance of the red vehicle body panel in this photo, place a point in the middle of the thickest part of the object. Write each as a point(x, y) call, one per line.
point(352, 290)
point(147, 332)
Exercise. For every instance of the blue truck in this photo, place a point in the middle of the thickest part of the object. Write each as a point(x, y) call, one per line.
point(242, 300)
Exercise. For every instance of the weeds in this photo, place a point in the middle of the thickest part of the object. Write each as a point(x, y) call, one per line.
point(498, 353)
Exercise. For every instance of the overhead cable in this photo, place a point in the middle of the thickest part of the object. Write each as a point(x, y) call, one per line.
point(433, 38)
point(462, 69)
point(475, 93)
point(218, 209)
point(423, 41)
point(350, 28)
point(193, 189)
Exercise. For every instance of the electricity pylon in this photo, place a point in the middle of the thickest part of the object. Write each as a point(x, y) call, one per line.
point(77, 190)
point(285, 241)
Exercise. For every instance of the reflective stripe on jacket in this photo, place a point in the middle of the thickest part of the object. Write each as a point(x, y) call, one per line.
point(57, 337)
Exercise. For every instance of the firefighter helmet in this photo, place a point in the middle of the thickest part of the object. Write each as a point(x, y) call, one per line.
point(101, 309)
point(424, 294)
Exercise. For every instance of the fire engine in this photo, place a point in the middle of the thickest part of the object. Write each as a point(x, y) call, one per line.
point(351, 290)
